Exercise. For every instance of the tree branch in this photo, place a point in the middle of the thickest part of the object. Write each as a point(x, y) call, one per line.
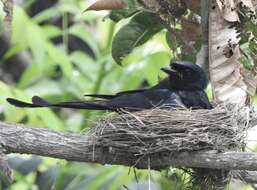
point(17, 138)
point(247, 176)
point(203, 55)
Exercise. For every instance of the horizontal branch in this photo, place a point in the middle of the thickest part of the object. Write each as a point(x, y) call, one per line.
point(247, 176)
point(16, 138)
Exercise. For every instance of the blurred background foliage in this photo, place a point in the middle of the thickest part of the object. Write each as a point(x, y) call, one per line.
point(60, 53)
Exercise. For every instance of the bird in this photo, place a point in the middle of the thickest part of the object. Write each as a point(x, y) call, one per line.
point(186, 79)
point(184, 87)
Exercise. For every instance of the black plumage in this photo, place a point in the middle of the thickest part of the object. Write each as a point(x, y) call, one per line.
point(186, 80)
point(183, 88)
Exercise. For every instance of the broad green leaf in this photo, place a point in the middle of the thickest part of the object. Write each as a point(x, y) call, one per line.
point(45, 180)
point(28, 76)
point(59, 57)
point(46, 15)
point(51, 31)
point(11, 114)
point(49, 118)
point(138, 31)
point(13, 50)
point(122, 179)
point(20, 24)
point(142, 185)
point(36, 42)
point(85, 63)
point(79, 182)
point(45, 87)
point(132, 8)
point(25, 166)
point(81, 32)
point(72, 173)
point(104, 177)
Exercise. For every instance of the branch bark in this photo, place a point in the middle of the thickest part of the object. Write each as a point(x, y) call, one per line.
point(202, 57)
point(17, 138)
point(247, 176)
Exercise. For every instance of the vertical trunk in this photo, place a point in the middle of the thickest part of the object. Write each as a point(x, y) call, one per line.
point(225, 70)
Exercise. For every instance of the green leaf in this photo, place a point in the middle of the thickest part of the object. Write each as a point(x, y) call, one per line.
point(45, 87)
point(138, 31)
point(143, 185)
point(25, 166)
point(71, 174)
point(60, 57)
point(122, 179)
point(14, 50)
point(45, 15)
point(109, 174)
point(79, 31)
point(117, 15)
point(51, 31)
point(45, 180)
point(49, 118)
point(20, 24)
point(29, 76)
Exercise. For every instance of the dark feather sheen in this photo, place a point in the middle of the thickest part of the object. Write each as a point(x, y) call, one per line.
point(183, 88)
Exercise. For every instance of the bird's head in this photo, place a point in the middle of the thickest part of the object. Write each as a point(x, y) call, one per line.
point(185, 75)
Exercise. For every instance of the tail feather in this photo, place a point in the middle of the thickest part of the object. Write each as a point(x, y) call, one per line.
point(102, 96)
point(38, 102)
point(21, 104)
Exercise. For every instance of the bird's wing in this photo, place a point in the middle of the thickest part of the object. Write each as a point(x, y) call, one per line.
point(205, 100)
point(164, 84)
point(173, 101)
point(110, 96)
point(195, 99)
point(147, 99)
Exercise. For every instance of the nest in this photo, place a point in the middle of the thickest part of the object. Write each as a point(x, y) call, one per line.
point(174, 130)
point(160, 131)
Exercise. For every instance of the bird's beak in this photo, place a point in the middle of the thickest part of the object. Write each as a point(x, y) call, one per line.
point(169, 71)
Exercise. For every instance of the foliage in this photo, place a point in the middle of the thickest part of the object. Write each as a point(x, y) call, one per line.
point(68, 56)
point(249, 40)
point(138, 31)
point(117, 15)
point(59, 71)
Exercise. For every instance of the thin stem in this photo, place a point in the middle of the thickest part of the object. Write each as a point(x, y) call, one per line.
point(65, 37)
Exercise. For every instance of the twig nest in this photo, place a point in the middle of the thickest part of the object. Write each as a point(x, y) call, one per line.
point(174, 130)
